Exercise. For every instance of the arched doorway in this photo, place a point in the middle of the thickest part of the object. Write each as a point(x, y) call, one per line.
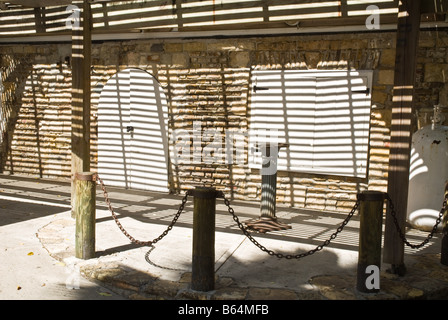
point(133, 132)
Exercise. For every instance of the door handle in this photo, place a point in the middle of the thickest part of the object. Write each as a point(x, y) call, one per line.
point(129, 129)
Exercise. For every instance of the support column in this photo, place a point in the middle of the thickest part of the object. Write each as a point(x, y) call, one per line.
point(401, 129)
point(268, 183)
point(370, 232)
point(268, 219)
point(203, 267)
point(84, 210)
point(81, 64)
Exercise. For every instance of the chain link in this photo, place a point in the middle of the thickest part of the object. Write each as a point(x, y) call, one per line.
point(400, 232)
point(151, 247)
point(289, 256)
point(139, 242)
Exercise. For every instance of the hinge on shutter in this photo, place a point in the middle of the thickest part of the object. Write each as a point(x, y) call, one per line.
point(259, 88)
point(366, 91)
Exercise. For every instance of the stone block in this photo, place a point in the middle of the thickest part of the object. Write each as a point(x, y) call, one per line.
point(157, 47)
point(173, 47)
point(312, 59)
point(225, 45)
point(382, 43)
point(195, 46)
point(387, 58)
point(436, 72)
point(180, 60)
point(316, 45)
point(443, 95)
point(426, 41)
point(379, 97)
point(386, 77)
point(240, 59)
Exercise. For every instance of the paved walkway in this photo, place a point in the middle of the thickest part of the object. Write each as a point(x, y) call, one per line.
point(36, 223)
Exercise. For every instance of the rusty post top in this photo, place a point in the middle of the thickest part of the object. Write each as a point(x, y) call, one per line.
point(370, 195)
point(206, 193)
point(85, 176)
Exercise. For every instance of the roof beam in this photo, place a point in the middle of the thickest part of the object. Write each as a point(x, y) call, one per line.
point(38, 3)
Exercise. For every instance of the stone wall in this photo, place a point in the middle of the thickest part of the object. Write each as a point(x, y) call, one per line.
point(36, 110)
point(208, 80)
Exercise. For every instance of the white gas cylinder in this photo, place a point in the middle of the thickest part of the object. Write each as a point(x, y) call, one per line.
point(428, 176)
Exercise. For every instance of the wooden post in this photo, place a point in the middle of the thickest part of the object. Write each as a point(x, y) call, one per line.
point(370, 231)
point(81, 63)
point(444, 254)
point(401, 129)
point(203, 268)
point(84, 210)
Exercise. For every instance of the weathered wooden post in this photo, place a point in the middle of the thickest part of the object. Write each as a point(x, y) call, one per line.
point(81, 92)
point(444, 254)
point(370, 231)
point(84, 211)
point(408, 28)
point(203, 265)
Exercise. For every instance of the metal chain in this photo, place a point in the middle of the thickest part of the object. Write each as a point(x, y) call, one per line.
point(289, 256)
point(157, 265)
point(139, 242)
point(400, 232)
point(263, 248)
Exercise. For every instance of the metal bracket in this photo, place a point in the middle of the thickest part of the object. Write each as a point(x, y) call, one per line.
point(205, 193)
point(86, 176)
point(366, 91)
point(256, 88)
point(371, 196)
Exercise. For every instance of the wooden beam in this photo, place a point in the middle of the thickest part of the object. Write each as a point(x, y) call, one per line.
point(39, 15)
point(38, 3)
point(81, 63)
point(401, 129)
point(434, 6)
